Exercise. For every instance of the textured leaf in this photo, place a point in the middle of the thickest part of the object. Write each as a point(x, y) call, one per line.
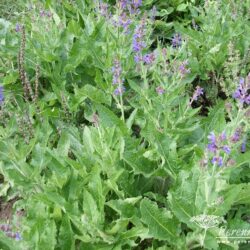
point(161, 223)
point(109, 119)
point(66, 235)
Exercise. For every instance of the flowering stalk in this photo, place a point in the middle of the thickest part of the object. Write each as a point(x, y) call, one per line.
point(241, 92)
point(216, 145)
point(7, 229)
point(118, 82)
point(176, 40)
point(197, 93)
point(1, 95)
point(138, 43)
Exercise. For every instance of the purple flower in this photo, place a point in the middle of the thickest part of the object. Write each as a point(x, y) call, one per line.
point(138, 42)
point(117, 80)
point(1, 95)
point(124, 21)
point(14, 235)
point(117, 72)
point(183, 68)
point(198, 92)
point(243, 146)
point(18, 27)
point(123, 3)
point(212, 147)
point(241, 93)
point(226, 149)
point(176, 40)
point(18, 236)
point(215, 145)
point(103, 9)
point(137, 58)
point(119, 90)
point(136, 3)
point(217, 160)
point(223, 136)
point(149, 58)
point(160, 90)
point(42, 13)
point(236, 136)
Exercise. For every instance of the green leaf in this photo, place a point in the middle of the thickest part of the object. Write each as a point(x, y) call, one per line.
point(126, 208)
point(93, 93)
point(186, 197)
point(90, 208)
point(89, 25)
point(109, 119)
point(161, 223)
point(182, 7)
point(77, 54)
point(8, 244)
point(242, 197)
point(74, 28)
point(66, 236)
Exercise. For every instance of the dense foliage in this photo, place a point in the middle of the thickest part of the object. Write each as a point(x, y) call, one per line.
point(125, 124)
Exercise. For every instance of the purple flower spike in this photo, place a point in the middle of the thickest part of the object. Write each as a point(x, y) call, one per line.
point(243, 146)
point(18, 27)
point(223, 136)
point(198, 92)
point(216, 146)
point(136, 3)
point(176, 40)
point(236, 136)
point(104, 9)
point(1, 95)
point(241, 81)
point(226, 149)
point(212, 147)
point(119, 90)
point(123, 4)
point(117, 72)
point(160, 90)
point(241, 93)
point(138, 58)
point(220, 161)
point(138, 42)
point(124, 22)
point(117, 78)
point(212, 138)
point(18, 237)
point(183, 68)
point(149, 58)
point(217, 160)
